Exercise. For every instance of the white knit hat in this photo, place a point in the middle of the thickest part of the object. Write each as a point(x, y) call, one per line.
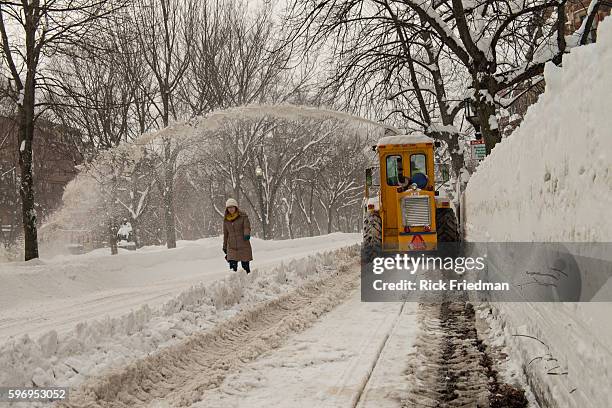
point(231, 203)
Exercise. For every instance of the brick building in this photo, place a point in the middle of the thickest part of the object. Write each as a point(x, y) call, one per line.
point(54, 164)
point(576, 12)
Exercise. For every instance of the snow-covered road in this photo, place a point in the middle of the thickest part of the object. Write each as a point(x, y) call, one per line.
point(353, 356)
point(188, 293)
point(333, 364)
point(58, 293)
point(293, 334)
point(182, 374)
point(374, 355)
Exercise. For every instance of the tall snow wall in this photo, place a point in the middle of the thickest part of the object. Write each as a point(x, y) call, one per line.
point(551, 181)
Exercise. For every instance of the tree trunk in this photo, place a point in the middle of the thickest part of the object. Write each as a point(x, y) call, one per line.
point(236, 195)
point(264, 226)
point(329, 219)
point(490, 131)
point(112, 237)
point(309, 219)
point(263, 211)
point(457, 159)
point(290, 224)
point(168, 193)
point(169, 210)
point(135, 232)
point(486, 111)
point(26, 191)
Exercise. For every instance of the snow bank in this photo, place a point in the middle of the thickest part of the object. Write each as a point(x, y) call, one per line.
point(55, 293)
point(551, 181)
point(68, 359)
point(553, 173)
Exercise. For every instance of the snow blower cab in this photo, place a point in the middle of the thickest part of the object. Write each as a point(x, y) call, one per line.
point(406, 213)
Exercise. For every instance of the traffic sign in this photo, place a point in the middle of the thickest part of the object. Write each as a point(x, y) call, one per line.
point(479, 150)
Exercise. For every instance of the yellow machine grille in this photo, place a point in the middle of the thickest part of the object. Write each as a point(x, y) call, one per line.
point(416, 211)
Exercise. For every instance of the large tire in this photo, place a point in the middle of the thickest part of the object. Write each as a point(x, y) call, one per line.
point(372, 237)
point(446, 224)
point(448, 233)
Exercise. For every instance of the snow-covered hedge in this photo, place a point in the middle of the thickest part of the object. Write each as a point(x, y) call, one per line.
point(551, 181)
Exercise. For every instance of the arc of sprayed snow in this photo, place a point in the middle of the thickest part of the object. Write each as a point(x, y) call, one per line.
point(214, 120)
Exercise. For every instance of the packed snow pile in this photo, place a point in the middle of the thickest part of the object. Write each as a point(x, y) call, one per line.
point(56, 293)
point(553, 173)
point(551, 181)
point(67, 359)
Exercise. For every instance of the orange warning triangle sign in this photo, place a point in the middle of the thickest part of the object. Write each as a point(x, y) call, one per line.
point(417, 242)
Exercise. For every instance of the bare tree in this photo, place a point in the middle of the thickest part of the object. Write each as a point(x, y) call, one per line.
point(164, 32)
point(30, 31)
point(288, 202)
point(339, 183)
point(305, 188)
point(498, 45)
point(134, 194)
point(110, 170)
point(236, 60)
point(93, 97)
point(283, 153)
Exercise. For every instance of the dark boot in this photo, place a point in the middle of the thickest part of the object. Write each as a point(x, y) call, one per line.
point(233, 265)
point(246, 266)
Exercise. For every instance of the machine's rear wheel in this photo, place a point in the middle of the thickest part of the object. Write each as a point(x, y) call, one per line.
point(448, 233)
point(372, 237)
point(446, 224)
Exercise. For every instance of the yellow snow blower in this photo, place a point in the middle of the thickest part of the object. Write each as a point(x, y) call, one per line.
point(406, 214)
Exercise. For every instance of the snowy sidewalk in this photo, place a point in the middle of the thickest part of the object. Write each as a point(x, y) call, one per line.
point(270, 304)
point(329, 364)
point(57, 294)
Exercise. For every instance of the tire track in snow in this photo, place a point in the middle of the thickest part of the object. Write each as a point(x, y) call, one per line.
point(452, 367)
point(446, 371)
point(358, 397)
point(180, 374)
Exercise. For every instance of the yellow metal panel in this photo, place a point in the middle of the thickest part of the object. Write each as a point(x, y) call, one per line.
point(390, 210)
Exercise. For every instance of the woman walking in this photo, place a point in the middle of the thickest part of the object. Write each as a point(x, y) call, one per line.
point(236, 236)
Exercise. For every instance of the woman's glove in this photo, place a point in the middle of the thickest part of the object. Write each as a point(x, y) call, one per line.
point(247, 237)
point(225, 251)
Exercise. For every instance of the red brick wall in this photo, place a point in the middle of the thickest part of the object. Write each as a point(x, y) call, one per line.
point(576, 11)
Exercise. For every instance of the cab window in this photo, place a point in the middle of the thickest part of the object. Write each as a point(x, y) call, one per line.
point(418, 164)
point(394, 170)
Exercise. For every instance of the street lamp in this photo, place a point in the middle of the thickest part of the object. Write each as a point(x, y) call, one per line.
point(470, 112)
point(472, 116)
